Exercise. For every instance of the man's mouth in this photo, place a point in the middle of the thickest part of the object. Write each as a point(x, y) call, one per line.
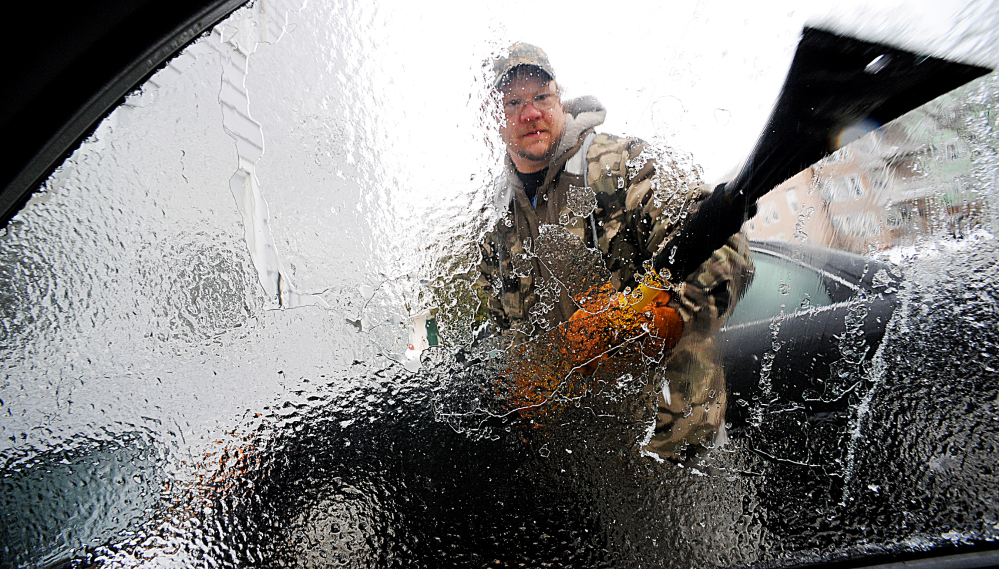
point(533, 133)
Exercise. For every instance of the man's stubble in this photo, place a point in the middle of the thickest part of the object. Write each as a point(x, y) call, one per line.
point(546, 155)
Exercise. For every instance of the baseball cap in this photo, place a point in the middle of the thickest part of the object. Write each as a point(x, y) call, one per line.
point(519, 54)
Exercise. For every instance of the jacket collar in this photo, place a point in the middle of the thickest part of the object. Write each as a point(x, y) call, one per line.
point(581, 115)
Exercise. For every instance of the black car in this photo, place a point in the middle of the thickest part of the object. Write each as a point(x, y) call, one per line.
point(808, 312)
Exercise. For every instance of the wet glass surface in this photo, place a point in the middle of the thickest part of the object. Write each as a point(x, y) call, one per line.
point(219, 314)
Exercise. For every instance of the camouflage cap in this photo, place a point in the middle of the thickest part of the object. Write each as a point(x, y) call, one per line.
point(521, 54)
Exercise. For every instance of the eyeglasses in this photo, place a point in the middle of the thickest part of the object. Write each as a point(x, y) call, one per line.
point(541, 102)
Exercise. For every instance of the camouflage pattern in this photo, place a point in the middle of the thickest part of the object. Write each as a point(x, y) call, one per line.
point(521, 54)
point(694, 376)
point(606, 228)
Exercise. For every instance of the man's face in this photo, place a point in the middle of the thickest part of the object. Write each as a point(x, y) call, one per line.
point(533, 120)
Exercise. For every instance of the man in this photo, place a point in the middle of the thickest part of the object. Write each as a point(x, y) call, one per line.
point(576, 210)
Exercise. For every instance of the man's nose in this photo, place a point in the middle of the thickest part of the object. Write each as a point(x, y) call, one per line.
point(530, 112)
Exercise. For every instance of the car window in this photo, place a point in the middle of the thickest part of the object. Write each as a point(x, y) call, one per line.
point(276, 310)
point(780, 286)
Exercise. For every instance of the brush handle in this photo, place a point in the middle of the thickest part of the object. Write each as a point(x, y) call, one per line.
point(835, 82)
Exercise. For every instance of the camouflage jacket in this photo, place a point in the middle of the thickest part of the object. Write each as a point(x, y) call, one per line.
point(588, 231)
point(604, 209)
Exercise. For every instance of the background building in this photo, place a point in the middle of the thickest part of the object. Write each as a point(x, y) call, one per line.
point(893, 186)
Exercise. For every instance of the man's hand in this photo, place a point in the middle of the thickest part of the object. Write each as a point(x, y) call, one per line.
point(560, 362)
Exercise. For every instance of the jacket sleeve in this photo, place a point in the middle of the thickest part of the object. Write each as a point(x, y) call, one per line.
point(642, 195)
point(659, 195)
point(648, 195)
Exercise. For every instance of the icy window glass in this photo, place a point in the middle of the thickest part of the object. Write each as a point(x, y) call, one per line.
point(290, 305)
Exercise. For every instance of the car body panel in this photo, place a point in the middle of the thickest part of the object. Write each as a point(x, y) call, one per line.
point(798, 347)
